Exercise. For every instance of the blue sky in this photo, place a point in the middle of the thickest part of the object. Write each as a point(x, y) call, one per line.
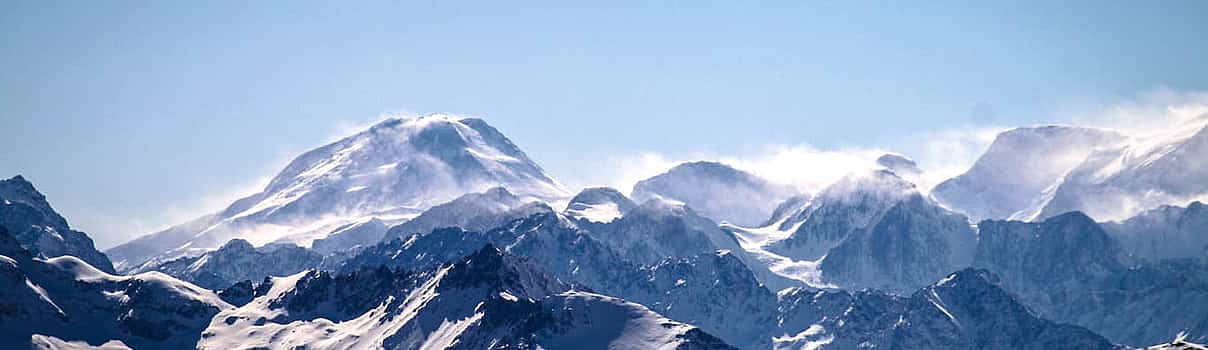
point(134, 115)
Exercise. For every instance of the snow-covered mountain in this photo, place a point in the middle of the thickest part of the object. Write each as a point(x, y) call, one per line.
point(1019, 166)
point(237, 261)
point(487, 300)
point(472, 212)
point(31, 220)
point(869, 229)
point(851, 204)
point(715, 290)
point(786, 208)
point(660, 228)
point(716, 190)
point(1067, 249)
point(1070, 269)
point(66, 300)
point(393, 171)
point(1118, 182)
point(914, 242)
point(967, 309)
point(1166, 232)
point(599, 204)
point(352, 236)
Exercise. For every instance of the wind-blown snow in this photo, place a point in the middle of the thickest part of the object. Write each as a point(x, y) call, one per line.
point(393, 171)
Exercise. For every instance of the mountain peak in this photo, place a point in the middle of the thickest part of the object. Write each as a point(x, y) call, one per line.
point(394, 170)
point(899, 164)
point(19, 180)
point(715, 190)
point(237, 245)
point(1071, 218)
point(879, 183)
point(599, 204)
point(1018, 167)
point(969, 275)
point(41, 230)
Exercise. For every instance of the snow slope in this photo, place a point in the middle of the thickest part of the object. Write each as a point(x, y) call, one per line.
point(1115, 183)
point(392, 171)
point(67, 299)
point(486, 300)
point(1018, 167)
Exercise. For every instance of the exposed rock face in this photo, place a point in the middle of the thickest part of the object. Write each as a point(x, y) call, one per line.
point(1070, 270)
point(716, 291)
point(716, 190)
point(965, 310)
point(913, 243)
point(31, 220)
point(851, 204)
point(486, 300)
point(1069, 248)
point(1167, 232)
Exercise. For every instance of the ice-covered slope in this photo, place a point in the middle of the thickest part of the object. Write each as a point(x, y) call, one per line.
point(31, 220)
point(1018, 167)
point(486, 300)
point(1115, 183)
point(70, 300)
point(392, 171)
point(716, 190)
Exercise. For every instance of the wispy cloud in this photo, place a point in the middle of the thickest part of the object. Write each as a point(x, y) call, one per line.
point(941, 154)
point(1147, 114)
point(807, 168)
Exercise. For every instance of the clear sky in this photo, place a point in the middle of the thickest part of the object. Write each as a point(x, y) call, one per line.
point(134, 115)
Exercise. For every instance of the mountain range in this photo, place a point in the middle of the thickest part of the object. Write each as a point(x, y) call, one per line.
point(438, 232)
